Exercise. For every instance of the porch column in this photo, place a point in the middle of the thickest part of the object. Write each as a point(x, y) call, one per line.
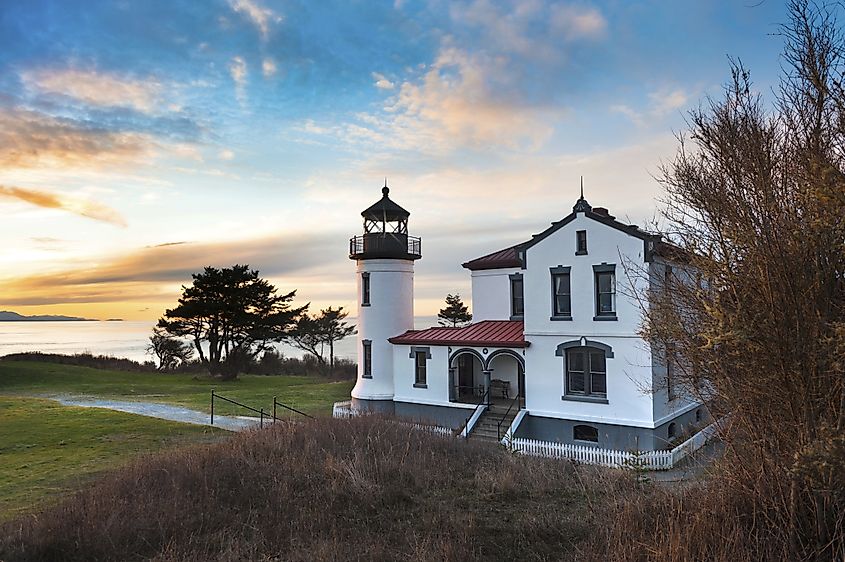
point(452, 383)
point(487, 377)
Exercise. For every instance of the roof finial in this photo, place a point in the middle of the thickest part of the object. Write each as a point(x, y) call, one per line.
point(385, 190)
point(581, 205)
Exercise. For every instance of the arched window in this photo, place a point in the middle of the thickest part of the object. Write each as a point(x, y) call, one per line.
point(672, 430)
point(586, 372)
point(585, 433)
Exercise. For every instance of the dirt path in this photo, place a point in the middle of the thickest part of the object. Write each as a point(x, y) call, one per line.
point(162, 411)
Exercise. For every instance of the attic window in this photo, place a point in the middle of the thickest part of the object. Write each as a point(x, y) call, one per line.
point(581, 243)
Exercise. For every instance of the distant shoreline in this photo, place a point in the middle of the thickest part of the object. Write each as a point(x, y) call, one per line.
point(9, 316)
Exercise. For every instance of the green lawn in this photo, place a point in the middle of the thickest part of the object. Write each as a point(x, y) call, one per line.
point(31, 378)
point(47, 449)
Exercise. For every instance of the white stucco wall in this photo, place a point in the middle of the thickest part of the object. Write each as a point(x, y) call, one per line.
point(437, 379)
point(390, 313)
point(629, 372)
point(491, 292)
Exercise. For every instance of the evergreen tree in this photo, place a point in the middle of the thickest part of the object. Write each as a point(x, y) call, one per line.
point(456, 312)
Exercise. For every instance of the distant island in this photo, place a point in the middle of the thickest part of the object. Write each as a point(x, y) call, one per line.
point(8, 316)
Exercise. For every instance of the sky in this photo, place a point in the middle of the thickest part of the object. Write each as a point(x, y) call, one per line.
point(143, 140)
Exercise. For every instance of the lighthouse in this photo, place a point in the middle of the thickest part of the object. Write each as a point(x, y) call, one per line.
point(385, 255)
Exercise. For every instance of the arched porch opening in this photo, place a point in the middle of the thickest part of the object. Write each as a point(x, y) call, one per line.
point(466, 376)
point(507, 377)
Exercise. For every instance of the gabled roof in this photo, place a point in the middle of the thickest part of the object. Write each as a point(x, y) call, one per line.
point(487, 333)
point(499, 259)
point(512, 256)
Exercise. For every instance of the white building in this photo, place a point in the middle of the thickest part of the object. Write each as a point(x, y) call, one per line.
point(553, 350)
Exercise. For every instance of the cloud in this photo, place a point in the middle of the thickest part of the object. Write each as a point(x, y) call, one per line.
point(97, 88)
point(268, 67)
point(30, 139)
point(576, 22)
point(382, 82)
point(82, 207)
point(463, 100)
point(260, 16)
point(238, 72)
point(136, 275)
point(661, 103)
point(226, 154)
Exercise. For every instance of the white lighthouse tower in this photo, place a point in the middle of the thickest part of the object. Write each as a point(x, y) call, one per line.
point(385, 256)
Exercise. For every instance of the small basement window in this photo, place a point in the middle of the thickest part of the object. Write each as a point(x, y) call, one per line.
point(697, 415)
point(585, 433)
point(673, 430)
point(581, 243)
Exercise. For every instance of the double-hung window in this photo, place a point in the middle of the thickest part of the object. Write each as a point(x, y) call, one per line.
point(517, 297)
point(605, 291)
point(420, 358)
point(561, 294)
point(586, 372)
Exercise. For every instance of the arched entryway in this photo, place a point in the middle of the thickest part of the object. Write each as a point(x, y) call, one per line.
point(466, 376)
point(507, 376)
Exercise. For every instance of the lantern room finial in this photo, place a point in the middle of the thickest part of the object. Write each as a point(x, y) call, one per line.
point(385, 190)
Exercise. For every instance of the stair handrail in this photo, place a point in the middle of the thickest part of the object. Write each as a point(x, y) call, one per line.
point(499, 425)
point(481, 403)
point(259, 411)
point(277, 403)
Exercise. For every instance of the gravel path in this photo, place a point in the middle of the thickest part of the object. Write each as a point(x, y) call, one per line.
point(162, 411)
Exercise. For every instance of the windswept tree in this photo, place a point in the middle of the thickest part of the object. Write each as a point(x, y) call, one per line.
point(456, 312)
point(313, 334)
point(231, 315)
point(170, 350)
point(755, 207)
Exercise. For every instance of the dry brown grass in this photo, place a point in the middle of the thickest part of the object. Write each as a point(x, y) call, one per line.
point(326, 490)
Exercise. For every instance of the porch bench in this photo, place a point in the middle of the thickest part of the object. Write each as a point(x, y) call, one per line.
point(500, 388)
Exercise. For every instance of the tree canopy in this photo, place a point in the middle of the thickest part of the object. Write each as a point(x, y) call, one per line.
point(231, 315)
point(755, 207)
point(455, 313)
point(313, 334)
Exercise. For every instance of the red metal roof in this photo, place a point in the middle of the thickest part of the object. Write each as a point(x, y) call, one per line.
point(489, 333)
point(496, 260)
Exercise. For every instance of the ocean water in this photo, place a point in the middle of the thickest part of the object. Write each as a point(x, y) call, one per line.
point(118, 339)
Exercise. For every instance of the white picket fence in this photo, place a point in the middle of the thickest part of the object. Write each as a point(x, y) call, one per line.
point(651, 460)
point(343, 409)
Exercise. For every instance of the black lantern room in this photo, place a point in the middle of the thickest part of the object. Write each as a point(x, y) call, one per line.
point(385, 233)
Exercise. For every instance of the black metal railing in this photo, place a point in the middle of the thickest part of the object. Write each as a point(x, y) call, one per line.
point(481, 402)
point(285, 406)
point(259, 411)
point(505, 415)
point(385, 244)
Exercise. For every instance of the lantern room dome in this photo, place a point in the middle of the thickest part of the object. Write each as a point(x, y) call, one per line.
point(385, 209)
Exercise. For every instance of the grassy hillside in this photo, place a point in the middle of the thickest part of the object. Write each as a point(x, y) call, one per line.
point(47, 449)
point(309, 394)
point(326, 490)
